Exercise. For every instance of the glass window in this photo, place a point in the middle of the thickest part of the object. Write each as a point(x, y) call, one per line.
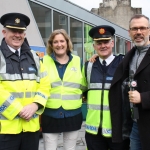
point(60, 21)
point(42, 16)
point(113, 49)
point(127, 46)
point(120, 45)
point(76, 36)
point(88, 43)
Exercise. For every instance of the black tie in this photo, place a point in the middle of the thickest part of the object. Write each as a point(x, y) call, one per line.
point(104, 65)
point(17, 53)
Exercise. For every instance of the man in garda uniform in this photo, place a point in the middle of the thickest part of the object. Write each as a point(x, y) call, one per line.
point(24, 87)
point(99, 76)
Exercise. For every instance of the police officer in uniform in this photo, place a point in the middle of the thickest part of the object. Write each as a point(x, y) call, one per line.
point(24, 87)
point(99, 76)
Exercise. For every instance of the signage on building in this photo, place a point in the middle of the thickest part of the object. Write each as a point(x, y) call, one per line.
point(41, 51)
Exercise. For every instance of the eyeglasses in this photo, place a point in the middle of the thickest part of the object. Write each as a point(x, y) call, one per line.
point(142, 29)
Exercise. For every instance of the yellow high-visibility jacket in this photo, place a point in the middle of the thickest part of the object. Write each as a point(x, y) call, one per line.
point(18, 90)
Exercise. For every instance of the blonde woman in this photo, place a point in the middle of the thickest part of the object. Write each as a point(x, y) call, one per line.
point(63, 108)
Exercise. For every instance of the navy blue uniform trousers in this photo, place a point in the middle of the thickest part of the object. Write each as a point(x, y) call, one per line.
point(21, 141)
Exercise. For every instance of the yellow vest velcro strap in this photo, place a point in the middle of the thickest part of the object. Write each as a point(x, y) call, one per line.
point(99, 86)
point(91, 128)
point(97, 107)
point(65, 97)
point(42, 95)
point(107, 132)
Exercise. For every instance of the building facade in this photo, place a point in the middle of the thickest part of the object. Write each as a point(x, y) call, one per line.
point(48, 15)
point(117, 11)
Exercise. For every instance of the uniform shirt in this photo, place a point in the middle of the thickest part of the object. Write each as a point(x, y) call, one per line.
point(60, 112)
point(108, 60)
point(13, 50)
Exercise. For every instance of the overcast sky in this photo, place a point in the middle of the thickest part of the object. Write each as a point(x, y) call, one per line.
point(89, 4)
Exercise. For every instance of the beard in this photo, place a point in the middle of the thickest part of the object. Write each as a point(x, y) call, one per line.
point(142, 43)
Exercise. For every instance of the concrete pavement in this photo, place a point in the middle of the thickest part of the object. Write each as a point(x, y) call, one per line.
point(81, 144)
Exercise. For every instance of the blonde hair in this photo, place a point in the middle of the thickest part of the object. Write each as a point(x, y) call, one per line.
point(49, 48)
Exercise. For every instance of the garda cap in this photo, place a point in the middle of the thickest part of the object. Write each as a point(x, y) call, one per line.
point(15, 21)
point(103, 32)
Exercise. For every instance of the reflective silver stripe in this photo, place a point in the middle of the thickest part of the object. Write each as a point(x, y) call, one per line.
point(89, 69)
point(83, 88)
point(13, 77)
point(56, 84)
point(29, 94)
point(7, 103)
point(106, 131)
point(71, 97)
point(43, 74)
point(97, 107)
point(65, 97)
point(23, 94)
point(55, 96)
point(66, 84)
point(17, 117)
point(99, 86)
point(91, 128)
point(2, 63)
point(31, 77)
point(72, 85)
point(18, 94)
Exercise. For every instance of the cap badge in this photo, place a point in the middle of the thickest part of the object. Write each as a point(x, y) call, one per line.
point(17, 20)
point(101, 30)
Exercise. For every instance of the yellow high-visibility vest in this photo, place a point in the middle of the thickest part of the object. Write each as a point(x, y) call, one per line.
point(67, 92)
point(94, 106)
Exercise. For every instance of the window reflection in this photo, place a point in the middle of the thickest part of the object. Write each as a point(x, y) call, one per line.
point(60, 21)
point(42, 16)
point(88, 43)
point(76, 36)
point(127, 46)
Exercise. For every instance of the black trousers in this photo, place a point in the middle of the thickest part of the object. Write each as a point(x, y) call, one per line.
point(21, 141)
point(99, 142)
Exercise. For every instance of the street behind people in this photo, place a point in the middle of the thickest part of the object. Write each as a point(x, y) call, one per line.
point(137, 62)
point(24, 87)
point(63, 109)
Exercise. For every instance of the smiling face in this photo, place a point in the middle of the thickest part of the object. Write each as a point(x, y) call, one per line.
point(140, 36)
point(103, 48)
point(59, 45)
point(14, 37)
